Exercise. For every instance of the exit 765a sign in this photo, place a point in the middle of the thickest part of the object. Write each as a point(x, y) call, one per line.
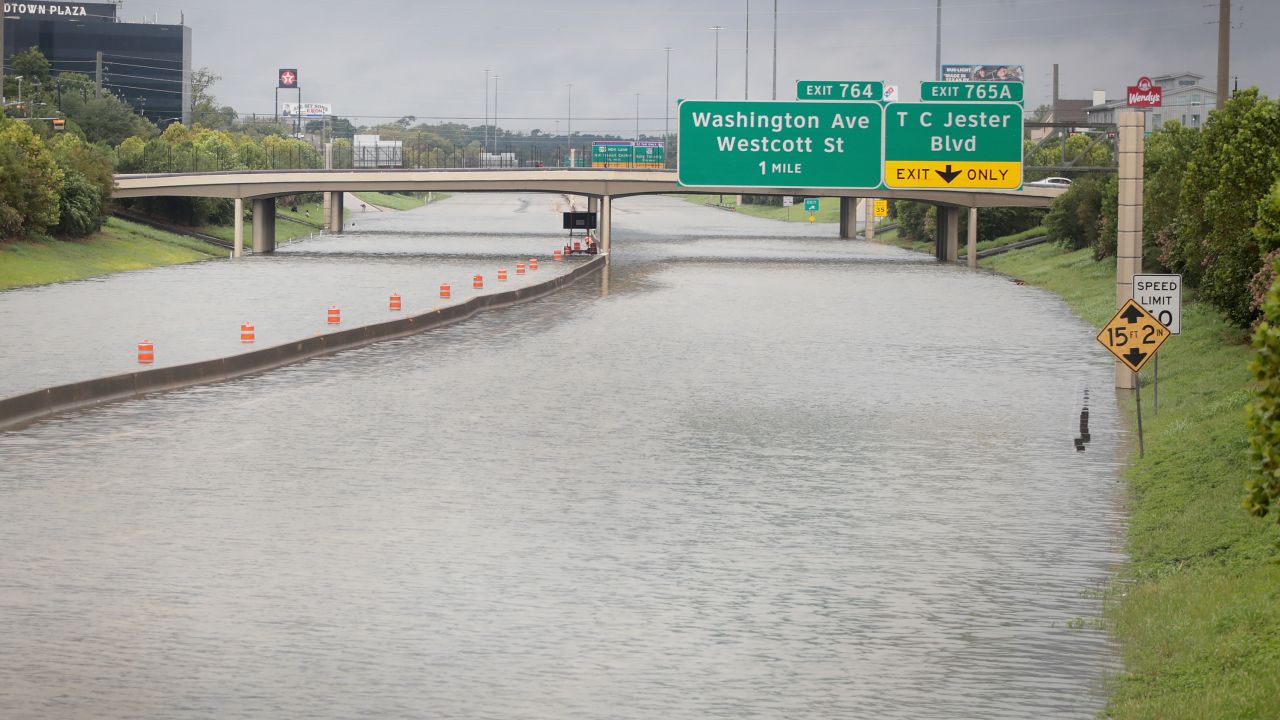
point(953, 145)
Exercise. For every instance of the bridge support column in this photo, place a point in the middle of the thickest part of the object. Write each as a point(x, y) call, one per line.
point(869, 218)
point(593, 206)
point(334, 214)
point(264, 226)
point(952, 248)
point(973, 238)
point(1129, 221)
point(606, 219)
point(848, 218)
point(237, 247)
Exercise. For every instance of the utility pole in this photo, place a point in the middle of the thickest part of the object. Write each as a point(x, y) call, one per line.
point(98, 91)
point(637, 117)
point(746, 73)
point(2, 19)
point(568, 138)
point(666, 105)
point(1224, 49)
point(486, 110)
point(717, 28)
point(937, 55)
point(497, 142)
point(775, 49)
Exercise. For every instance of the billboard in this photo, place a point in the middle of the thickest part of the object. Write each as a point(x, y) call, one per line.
point(307, 110)
point(982, 73)
point(288, 78)
point(1144, 94)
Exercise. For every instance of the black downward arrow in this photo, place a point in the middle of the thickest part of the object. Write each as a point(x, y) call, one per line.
point(1134, 357)
point(1132, 314)
point(949, 174)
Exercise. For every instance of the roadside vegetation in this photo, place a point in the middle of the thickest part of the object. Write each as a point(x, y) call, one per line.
point(119, 246)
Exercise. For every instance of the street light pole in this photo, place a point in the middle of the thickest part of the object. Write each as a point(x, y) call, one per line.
point(717, 28)
point(666, 106)
point(486, 110)
point(637, 117)
point(937, 55)
point(775, 49)
point(568, 137)
point(746, 72)
point(497, 139)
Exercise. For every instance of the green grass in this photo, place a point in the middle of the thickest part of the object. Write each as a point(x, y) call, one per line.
point(393, 202)
point(120, 246)
point(1197, 609)
point(828, 209)
point(1037, 231)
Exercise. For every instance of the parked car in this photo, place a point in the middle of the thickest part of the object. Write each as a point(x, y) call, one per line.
point(1051, 182)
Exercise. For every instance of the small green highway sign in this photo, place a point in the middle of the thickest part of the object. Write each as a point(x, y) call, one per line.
point(839, 90)
point(780, 144)
point(953, 145)
point(971, 91)
point(811, 204)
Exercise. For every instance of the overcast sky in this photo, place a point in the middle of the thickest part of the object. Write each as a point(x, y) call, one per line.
point(375, 59)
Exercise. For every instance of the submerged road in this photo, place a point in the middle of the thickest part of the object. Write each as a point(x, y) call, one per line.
point(753, 471)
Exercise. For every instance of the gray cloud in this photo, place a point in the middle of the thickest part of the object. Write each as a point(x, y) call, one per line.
point(388, 58)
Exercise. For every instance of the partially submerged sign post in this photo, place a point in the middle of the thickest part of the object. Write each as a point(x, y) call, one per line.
point(1134, 336)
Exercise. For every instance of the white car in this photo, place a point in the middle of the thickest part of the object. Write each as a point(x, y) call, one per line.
point(1051, 182)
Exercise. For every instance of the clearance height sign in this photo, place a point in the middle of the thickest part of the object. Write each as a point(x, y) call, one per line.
point(942, 145)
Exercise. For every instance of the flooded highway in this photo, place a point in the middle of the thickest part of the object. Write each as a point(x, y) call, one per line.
point(753, 471)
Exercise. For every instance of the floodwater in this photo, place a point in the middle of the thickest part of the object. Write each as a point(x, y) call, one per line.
point(753, 472)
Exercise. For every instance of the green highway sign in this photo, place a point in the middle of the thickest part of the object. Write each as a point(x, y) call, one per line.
point(956, 146)
point(780, 144)
point(811, 204)
point(612, 153)
point(844, 90)
point(971, 91)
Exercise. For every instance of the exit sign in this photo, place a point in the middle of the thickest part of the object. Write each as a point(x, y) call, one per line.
point(953, 146)
point(839, 90)
point(971, 91)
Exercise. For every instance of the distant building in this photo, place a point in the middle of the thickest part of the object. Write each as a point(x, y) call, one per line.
point(146, 65)
point(1183, 99)
point(371, 151)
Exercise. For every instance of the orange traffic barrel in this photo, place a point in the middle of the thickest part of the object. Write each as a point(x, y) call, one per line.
point(247, 333)
point(520, 268)
point(445, 290)
point(395, 301)
point(146, 352)
point(533, 263)
point(477, 282)
point(577, 246)
point(502, 273)
point(555, 255)
point(335, 315)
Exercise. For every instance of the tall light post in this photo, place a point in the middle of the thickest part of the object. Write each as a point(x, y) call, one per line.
point(486, 110)
point(666, 105)
point(637, 117)
point(568, 137)
point(717, 28)
point(746, 72)
point(497, 139)
point(775, 49)
point(937, 53)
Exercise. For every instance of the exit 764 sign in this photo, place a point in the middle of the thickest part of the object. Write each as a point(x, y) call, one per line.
point(953, 145)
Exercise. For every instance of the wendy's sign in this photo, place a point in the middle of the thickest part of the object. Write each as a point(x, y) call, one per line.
point(1144, 94)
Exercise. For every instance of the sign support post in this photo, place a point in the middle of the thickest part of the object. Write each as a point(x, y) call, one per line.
point(1129, 223)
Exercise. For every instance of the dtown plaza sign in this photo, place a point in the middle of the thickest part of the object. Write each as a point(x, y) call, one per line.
point(37, 9)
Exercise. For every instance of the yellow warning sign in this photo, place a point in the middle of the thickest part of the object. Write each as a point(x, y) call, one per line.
point(882, 208)
point(953, 174)
point(1133, 335)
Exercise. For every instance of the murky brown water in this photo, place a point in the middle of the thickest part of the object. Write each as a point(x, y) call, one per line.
point(762, 475)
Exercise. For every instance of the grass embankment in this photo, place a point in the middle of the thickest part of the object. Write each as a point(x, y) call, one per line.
point(891, 236)
point(828, 208)
point(290, 224)
point(121, 245)
point(1197, 610)
point(397, 202)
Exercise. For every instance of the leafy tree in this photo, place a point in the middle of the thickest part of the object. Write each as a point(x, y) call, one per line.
point(31, 65)
point(30, 181)
point(1233, 168)
point(1262, 492)
point(204, 106)
point(1168, 154)
point(1075, 218)
point(87, 189)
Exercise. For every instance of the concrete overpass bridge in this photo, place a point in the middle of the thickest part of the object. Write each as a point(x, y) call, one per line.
point(600, 185)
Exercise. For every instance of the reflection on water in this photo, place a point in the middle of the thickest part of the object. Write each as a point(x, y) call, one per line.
point(759, 475)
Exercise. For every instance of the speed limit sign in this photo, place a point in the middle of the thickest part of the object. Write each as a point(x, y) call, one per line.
point(1161, 295)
